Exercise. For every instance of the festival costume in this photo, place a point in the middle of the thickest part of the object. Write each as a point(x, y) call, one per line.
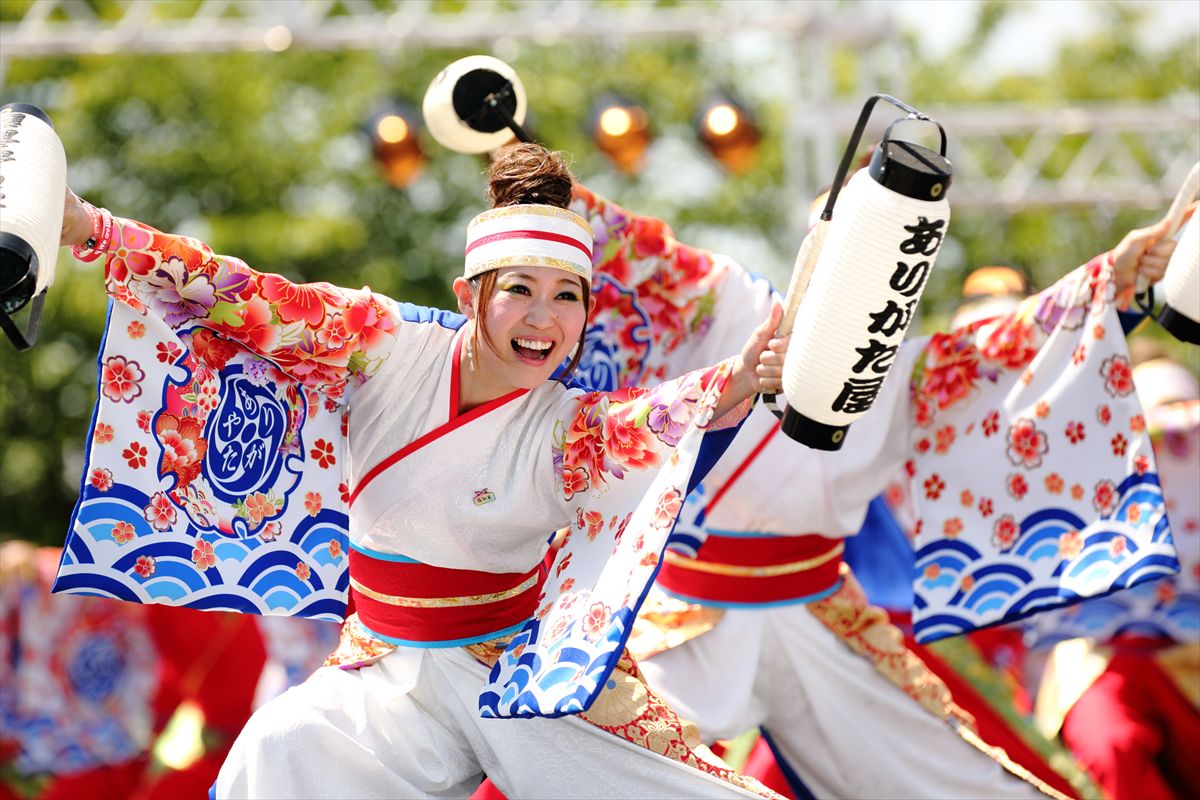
point(722, 640)
point(1125, 696)
point(266, 393)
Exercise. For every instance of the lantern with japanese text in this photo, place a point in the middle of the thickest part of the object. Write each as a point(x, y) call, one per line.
point(33, 182)
point(475, 105)
point(860, 275)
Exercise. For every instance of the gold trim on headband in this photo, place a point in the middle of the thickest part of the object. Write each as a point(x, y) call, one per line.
point(535, 209)
point(443, 602)
point(528, 260)
point(768, 571)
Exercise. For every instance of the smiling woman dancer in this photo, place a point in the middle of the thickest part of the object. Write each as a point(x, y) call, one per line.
point(440, 404)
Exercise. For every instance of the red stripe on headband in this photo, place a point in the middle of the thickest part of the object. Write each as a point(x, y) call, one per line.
point(543, 235)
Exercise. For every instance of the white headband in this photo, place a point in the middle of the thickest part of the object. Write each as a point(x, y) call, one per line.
point(529, 236)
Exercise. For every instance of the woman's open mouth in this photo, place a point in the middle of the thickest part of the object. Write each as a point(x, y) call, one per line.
point(532, 351)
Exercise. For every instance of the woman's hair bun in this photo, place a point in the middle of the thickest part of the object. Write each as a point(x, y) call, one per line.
point(529, 173)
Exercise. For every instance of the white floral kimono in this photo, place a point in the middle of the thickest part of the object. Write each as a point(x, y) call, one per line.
point(255, 439)
point(956, 429)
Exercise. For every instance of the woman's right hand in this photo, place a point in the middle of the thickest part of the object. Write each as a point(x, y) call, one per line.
point(77, 221)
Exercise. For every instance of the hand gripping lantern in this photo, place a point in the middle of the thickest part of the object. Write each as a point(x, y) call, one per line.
point(857, 281)
point(474, 105)
point(33, 181)
point(1180, 313)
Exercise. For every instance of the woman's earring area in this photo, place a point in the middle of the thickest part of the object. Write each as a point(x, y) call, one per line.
point(470, 350)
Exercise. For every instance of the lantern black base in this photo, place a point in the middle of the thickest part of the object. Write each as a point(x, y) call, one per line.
point(807, 431)
point(1182, 327)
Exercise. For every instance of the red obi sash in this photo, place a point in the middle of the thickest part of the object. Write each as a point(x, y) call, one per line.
point(408, 603)
point(755, 570)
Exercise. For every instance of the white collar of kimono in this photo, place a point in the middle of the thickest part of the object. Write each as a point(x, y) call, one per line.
point(529, 236)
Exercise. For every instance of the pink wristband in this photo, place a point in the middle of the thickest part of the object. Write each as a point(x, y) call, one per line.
point(97, 243)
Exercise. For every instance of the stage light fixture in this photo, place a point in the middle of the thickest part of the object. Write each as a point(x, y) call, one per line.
point(396, 143)
point(621, 130)
point(728, 129)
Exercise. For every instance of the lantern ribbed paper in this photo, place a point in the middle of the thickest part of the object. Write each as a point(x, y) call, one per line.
point(878, 252)
point(1181, 287)
point(33, 181)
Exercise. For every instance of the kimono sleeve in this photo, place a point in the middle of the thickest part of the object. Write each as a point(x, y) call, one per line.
point(1032, 475)
point(626, 460)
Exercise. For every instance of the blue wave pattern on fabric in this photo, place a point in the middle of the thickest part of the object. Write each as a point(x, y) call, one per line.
point(221, 494)
point(1034, 572)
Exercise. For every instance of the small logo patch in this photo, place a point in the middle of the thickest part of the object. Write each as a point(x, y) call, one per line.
point(483, 497)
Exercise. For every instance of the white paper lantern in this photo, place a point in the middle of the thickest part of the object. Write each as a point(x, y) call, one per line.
point(33, 182)
point(880, 246)
point(1181, 287)
point(457, 110)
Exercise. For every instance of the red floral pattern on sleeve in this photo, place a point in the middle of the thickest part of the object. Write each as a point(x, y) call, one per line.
point(322, 335)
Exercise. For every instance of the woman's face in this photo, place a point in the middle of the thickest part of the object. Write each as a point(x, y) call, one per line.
point(534, 318)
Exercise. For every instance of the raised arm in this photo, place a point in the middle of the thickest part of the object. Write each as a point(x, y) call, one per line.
point(324, 336)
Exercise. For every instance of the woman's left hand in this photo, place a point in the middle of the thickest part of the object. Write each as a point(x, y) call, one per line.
point(760, 367)
point(1144, 253)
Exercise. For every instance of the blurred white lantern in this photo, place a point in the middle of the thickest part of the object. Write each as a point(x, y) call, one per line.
point(33, 183)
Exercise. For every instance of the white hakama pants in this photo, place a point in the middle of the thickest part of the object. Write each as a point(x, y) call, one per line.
point(408, 726)
point(847, 730)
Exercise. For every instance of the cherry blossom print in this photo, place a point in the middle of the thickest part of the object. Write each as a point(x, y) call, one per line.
point(160, 512)
point(922, 446)
point(967, 498)
point(991, 424)
point(1117, 546)
point(667, 508)
point(1026, 444)
point(258, 507)
point(968, 582)
point(575, 482)
point(203, 556)
point(103, 434)
point(134, 455)
point(595, 621)
point(312, 503)
point(101, 478)
point(145, 566)
point(922, 412)
point(910, 468)
point(1104, 497)
point(932, 571)
point(322, 451)
point(595, 523)
point(1070, 544)
point(302, 571)
point(335, 547)
point(934, 486)
point(1137, 423)
point(1075, 432)
point(135, 329)
point(1142, 464)
point(1042, 409)
point(1103, 414)
point(1079, 356)
point(167, 352)
point(122, 294)
point(1119, 444)
point(1005, 532)
point(986, 507)
point(1133, 513)
point(1009, 343)
point(945, 438)
point(143, 421)
point(648, 560)
point(270, 532)
point(344, 492)
point(125, 258)
point(1118, 376)
point(1098, 331)
point(1076, 491)
point(1017, 486)
point(952, 527)
point(1054, 483)
point(566, 586)
point(122, 532)
point(121, 379)
point(563, 563)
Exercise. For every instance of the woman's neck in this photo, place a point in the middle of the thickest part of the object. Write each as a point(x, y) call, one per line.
point(475, 386)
